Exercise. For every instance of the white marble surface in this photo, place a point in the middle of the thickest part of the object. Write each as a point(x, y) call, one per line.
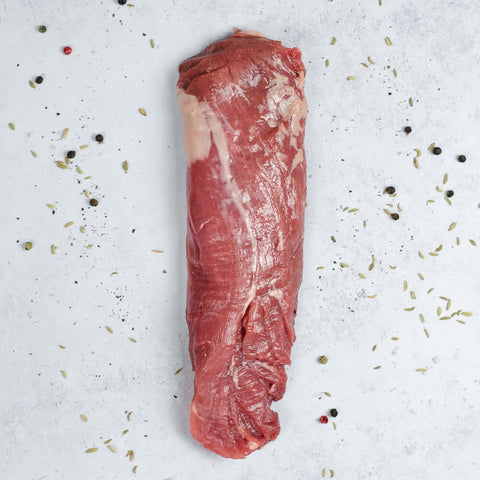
point(394, 423)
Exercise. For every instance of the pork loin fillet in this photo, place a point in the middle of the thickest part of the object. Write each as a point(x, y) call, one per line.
point(244, 111)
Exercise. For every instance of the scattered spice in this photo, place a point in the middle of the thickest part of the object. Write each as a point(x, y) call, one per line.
point(11, 126)
point(410, 101)
point(83, 417)
point(344, 265)
point(420, 276)
point(420, 254)
point(418, 152)
point(152, 43)
point(125, 166)
point(112, 448)
point(178, 371)
point(372, 265)
point(67, 50)
point(28, 245)
point(125, 431)
point(407, 130)
point(422, 318)
point(93, 202)
point(64, 373)
point(390, 190)
point(370, 61)
point(142, 112)
point(452, 226)
point(436, 150)
point(99, 138)
point(430, 147)
point(415, 163)
point(323, 359)
point(472, 242)
point(327, 62)
point(430, 290)
point(461, 158)
point(134, 469)
point(378, 367)
point(374, 348)
point(53, 249)
point(69, 224)
point(132, 340)
point(350, 78)
point(388, 41)
point(395, 339)
point(361, 275)
point(34, 155)
point(426, 333)
point(91, 450)
point(79, 170)
point(109, 329)
point(64, 134)
point(409, 309)
point(323, 419)
point(334, 41)
point(420, 369)
point(467, 314)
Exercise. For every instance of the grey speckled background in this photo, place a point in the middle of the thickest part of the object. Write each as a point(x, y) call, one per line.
point(394, 423)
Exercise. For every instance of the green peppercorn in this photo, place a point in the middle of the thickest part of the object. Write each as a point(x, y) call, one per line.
point(323, 359)
point(28, 245)
point(42, 28)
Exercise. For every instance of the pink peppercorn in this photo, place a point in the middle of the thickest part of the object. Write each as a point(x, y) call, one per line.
point(323, 419)
point(67, 50)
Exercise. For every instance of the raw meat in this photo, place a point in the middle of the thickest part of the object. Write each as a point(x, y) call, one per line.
point(244, 111)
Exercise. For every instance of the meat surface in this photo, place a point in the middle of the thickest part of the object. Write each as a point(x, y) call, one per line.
point(244, 112)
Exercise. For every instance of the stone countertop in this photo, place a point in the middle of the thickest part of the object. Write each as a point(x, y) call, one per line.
point(394, 422)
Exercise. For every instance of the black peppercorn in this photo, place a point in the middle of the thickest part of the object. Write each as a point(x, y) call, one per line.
point(395, 216)
point(93, 202)
point(39, 80)
point(407, 130)
point(449, 193)
point(71, 154)
point(436, 150)
point(461, 158)
point(390, 190)
point(42, 28)
point(99, 138)
point(333, 412)
point(122, 2)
